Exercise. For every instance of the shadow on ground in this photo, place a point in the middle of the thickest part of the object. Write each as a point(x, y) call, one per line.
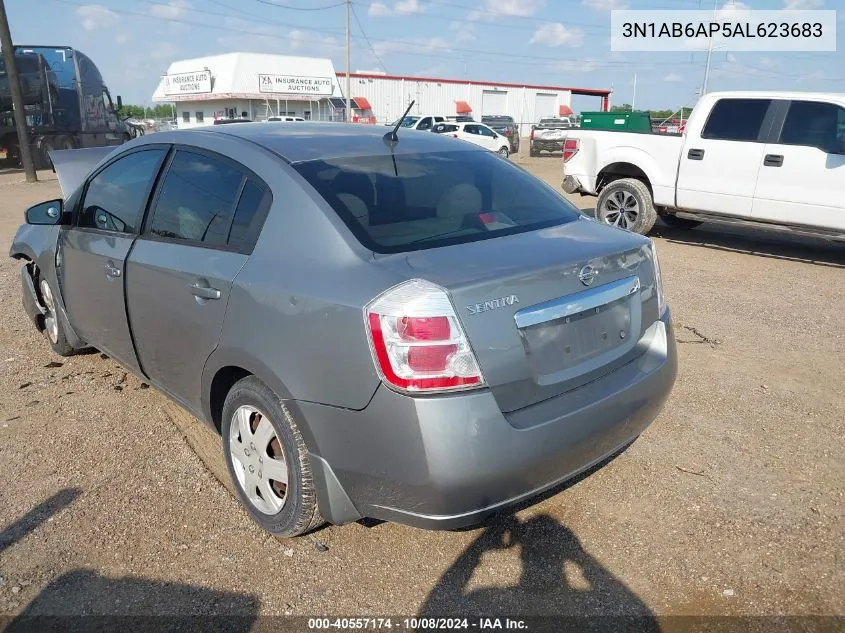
point(561, 586)
point(83, 600)
point(38, 515)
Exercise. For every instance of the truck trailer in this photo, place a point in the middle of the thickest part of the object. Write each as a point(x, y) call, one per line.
point(67, 105)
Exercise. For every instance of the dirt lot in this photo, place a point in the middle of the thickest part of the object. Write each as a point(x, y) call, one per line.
point(730, 503)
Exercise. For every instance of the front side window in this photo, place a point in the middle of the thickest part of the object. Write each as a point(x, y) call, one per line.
point(197, 199)
point(409, 202)
point(815, 124)
point(736, 119)
point(116, 197)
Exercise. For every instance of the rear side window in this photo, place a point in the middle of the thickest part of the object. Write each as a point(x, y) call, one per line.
point(418, 201)
point(815, 124)
point(249, 217)
point(116, 197)
point(736, 119)
point(197, 199)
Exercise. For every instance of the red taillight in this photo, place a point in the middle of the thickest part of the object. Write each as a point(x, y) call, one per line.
point(424, 328)
point(570, 148)
point(417, 342)
point(532, 135)
point(454, 136)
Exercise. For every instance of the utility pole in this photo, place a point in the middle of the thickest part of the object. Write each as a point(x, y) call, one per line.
point(17, 97)
point(709, 55)
point(634, 96)
point(348, 76)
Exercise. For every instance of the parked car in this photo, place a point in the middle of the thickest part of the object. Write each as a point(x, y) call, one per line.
point(774, 159)
point(227, 121)
point(414, 331)
point(505, 126)
point(480, 134)
point(548, 134)
point(284, 118)
point(440, 128)
point(417, 122)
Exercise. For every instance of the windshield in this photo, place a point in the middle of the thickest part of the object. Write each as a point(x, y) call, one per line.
point(409, 121)
point(417, 201)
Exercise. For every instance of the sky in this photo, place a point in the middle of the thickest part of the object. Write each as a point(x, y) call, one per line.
point(547, 42)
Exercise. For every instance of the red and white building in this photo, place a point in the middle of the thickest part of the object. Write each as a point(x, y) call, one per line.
point(257, 86)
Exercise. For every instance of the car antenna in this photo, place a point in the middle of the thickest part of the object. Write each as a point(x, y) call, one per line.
point(391, 137)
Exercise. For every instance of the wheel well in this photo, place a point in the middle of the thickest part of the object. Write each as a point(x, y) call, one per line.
point(221, 384)
point(615, 171)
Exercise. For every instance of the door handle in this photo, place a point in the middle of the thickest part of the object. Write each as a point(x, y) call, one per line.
point(205, 292)
point(695, 154)
point(112, 270)
point(773, 160)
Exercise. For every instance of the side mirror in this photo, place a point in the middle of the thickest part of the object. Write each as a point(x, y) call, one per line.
point(119, 103)
point(48, 213)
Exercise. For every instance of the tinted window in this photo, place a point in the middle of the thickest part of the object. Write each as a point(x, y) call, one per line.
point(736, 119)
point(116, 197)
point(420, 201)
point(815, 124)
point(485, 131)
point(425, 124)
point(471, 129)
point(197, 199)
point(249, 216)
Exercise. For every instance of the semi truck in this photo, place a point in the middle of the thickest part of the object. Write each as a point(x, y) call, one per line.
point(66, 103)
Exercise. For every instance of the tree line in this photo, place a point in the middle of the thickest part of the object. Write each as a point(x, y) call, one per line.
point(656, 114)
point(158, 111)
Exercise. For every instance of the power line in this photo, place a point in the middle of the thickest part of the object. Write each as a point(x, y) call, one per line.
point(367, 39)
point(287, 6)
point(240, 13)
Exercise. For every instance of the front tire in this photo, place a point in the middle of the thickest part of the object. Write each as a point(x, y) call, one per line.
point(503, 151)
point(627, 204)
point(268, 460)
point(53, 329)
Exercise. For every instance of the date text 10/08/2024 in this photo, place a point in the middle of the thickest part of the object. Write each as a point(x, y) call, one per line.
point(413, 624)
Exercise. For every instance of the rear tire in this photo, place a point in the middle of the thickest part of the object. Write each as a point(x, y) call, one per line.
point(281, 508)
point(627, 204)
point(42, 156)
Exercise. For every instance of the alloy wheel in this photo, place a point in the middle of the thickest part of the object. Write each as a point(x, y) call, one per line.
point(51, 322)
point(621, 209)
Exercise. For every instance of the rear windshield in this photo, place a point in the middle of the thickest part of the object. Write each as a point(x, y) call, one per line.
point(410, 202)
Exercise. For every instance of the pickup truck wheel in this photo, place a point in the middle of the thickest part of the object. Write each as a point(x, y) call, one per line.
point(679, 223)
point(53, 329)
point(626, 203)
point(268, 460)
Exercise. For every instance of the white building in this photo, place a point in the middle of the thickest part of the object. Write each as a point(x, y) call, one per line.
point(250, 85)
point(389, 96)
point(256, 86)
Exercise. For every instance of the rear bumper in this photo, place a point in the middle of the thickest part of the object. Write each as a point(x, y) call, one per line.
point(571, 184)
point(451, 461)
point(548, 146)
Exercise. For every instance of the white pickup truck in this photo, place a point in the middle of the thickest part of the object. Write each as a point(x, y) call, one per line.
point(769, 158)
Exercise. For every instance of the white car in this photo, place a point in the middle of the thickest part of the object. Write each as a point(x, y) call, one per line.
point(774, 159)
point(422, 122)
point(284, 118)
point(476, 133)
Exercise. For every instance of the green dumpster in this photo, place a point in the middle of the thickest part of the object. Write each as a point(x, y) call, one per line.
point(626, 121)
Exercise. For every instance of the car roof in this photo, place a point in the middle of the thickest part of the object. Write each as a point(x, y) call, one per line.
point(312, 140)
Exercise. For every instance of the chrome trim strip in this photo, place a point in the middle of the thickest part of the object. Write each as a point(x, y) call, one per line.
point(575, 303)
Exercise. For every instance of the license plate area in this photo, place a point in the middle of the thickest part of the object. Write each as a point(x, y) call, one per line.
point(577, 334)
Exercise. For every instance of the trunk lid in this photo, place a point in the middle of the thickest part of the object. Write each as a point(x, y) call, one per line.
point(537, 329)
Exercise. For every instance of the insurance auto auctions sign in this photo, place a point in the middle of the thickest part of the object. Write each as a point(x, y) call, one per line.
point(187, 83)
point(294, 84)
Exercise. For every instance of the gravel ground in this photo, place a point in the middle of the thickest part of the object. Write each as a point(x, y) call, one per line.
point(730, 503)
